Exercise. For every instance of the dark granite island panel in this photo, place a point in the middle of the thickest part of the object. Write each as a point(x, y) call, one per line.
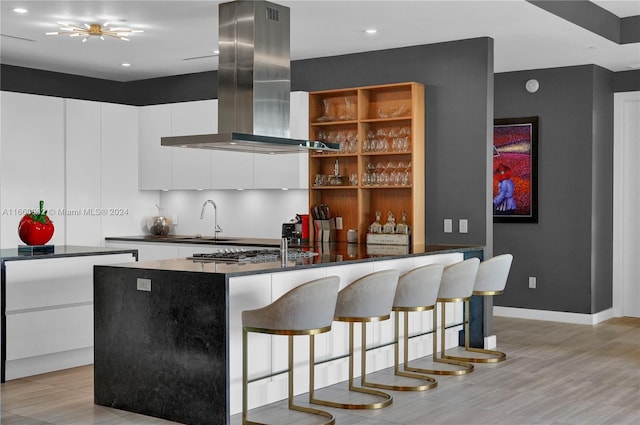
point(161, 352)
point(175, 351)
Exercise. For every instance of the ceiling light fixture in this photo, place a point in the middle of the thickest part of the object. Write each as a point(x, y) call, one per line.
point(93, 30)
point(125, 64)
point(20, 10)
point(371, 31)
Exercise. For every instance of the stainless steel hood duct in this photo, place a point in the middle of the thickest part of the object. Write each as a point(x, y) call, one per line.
point(254, 83)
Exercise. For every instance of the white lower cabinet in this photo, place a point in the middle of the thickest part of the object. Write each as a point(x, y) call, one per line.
point(49, 313)
point(267, 354)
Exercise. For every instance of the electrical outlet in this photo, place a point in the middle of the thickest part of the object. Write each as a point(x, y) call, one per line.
point(143, 284)
point(175, 219)
point(463, 225)
point(448, 225)
point(532, 282)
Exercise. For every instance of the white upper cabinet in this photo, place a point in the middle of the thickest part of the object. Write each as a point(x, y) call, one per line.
point(83, 171)
point(286, 170)
point(191, 168)
point(188, 169)
point(31, 162)
point(154, 160)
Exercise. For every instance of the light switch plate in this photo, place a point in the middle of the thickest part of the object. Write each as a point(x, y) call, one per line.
point(463, 225)
point(448, 225)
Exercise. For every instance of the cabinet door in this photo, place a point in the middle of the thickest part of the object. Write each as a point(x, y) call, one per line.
point(82, 171)
point(123, 208)
point(286, 170)
point(191, 168)
point(31, 161)
point(154, 160)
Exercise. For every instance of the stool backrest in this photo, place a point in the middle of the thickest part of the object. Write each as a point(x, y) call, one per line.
point(458, 279)
point(305, 307)
point(370, 296)
point(493, 273)
point(419, 287)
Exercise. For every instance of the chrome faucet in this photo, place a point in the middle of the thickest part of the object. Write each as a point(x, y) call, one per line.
point(216, 229)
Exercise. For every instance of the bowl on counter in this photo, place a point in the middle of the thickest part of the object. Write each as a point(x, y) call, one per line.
point(159, 225)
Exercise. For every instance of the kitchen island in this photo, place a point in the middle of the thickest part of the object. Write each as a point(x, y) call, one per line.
point(168, 332)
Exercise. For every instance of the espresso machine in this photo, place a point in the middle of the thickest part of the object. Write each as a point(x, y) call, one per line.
point(297, 230)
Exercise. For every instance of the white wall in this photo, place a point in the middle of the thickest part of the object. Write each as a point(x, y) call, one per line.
point(246, 213)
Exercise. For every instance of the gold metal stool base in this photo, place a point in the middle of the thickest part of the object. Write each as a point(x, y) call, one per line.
point(331, 419)
point(498, 356)
point(431, 382)
point(466, 367)
point(388, 399)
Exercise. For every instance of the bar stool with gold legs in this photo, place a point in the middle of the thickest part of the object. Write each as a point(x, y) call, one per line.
point(490, 280)
point(417, 291)
point(456, 286)
point(305, 310)
point(367, 299)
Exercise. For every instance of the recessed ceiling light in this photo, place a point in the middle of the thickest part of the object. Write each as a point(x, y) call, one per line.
point(20, 10)
point(125, 64)
point(216, 52)
point(371, 31)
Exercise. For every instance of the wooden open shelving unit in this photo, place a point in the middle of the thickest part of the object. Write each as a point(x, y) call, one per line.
point(357, 113)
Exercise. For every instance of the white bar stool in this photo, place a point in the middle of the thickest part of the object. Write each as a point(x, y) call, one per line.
point(305, 310)
point(367, 299)
point(417, 291)
point(490, 280)
point(456, 286)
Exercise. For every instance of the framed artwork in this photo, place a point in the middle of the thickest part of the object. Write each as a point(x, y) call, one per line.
point(515, 170)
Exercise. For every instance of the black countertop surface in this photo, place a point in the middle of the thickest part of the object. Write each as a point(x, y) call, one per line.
point(197, 240)
point(332, 254)
point(59, 251)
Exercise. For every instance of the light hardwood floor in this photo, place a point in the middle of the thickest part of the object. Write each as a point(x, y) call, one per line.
point(555, 374)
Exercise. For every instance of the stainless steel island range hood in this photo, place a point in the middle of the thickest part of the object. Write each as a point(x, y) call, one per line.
point(254, 83)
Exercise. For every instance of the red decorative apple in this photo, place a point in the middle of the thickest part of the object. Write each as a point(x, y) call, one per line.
point(36, 228)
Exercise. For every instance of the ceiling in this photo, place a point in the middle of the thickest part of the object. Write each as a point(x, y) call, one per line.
point(180, 36)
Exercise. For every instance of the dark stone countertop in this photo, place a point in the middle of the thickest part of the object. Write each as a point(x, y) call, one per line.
point(333, 254)
point(197, 240)
point(59, 251)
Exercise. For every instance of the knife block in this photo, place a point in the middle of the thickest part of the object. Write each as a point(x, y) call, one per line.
point(325, 230)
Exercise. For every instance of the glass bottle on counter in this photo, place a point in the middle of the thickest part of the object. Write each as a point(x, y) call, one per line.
point(376, 227)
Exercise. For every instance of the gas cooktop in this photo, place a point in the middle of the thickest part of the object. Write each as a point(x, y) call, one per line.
point(251, 255)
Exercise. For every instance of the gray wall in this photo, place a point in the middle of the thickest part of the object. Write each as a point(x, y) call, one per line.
point(570, 249)
point(458, 79)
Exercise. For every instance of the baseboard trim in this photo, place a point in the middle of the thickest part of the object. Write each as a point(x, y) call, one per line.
point(554, 316)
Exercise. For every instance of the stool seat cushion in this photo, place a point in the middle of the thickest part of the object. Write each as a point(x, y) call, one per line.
point(418, 287)
point(306, 307)
point(368, 297)
point(458, 280)
point(493, 273)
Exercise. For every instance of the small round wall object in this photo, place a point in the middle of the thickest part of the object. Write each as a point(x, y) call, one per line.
point(532, 85)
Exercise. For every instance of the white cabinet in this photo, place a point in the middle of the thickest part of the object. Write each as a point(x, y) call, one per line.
point(188, 169)
point(154, 160)
point(124, 208)
point(82, 120)
point(31, 161)
point(162, 167)
point(191, 168)
point(49, 312)
point(286, 170)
